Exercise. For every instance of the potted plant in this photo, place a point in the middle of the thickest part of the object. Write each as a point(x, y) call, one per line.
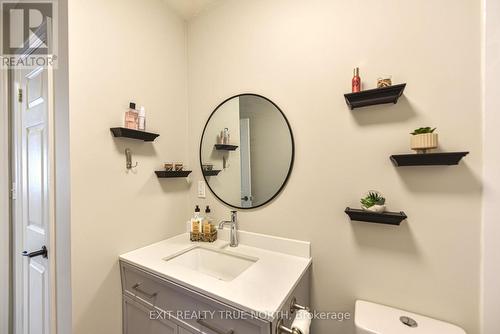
point(424, 139)
point(373, 201)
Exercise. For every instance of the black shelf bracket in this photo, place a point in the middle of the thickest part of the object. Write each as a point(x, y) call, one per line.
point(134, 134)
point(213, 172)
point(389, 218)
point(172, 173)
point(225, 147)
point(375, 96)
point(428, 159)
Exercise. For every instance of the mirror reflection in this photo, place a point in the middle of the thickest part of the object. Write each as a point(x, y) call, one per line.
point(246, 151)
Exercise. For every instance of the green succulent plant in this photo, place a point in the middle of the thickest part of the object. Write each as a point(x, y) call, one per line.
point(372, 199)
point(420, 131)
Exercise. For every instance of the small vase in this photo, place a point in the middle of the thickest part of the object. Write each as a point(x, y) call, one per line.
point(375, 208)
point(423, 142)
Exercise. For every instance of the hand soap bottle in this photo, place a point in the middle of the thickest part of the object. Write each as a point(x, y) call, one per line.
point(207, 222)
point(196, 221)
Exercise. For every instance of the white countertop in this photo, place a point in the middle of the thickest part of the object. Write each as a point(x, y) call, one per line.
point(263, 287)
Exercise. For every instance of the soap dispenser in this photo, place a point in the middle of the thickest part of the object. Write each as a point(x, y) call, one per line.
point(196, 221)
point(207, 214)
point(207, 221)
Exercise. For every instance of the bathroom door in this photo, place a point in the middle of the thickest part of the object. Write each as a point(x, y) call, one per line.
point(32, 141)
point(246, 168)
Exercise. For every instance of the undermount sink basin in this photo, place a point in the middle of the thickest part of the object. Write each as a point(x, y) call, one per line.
point(220, 264)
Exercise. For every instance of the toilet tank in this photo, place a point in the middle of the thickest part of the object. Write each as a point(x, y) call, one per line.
point(371, 318)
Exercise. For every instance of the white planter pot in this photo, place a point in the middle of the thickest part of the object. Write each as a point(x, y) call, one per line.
point(424, 141)
point(375, 208)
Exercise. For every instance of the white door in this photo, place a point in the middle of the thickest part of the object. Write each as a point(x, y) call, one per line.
point(246, 169)
point(32, 202)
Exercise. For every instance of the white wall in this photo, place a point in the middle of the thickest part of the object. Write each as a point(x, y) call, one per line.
point(121, 50)
point(491, 209)
point(63, 181)
point(301, 54)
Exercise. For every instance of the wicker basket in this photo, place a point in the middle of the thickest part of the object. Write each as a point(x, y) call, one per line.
point(203, 237)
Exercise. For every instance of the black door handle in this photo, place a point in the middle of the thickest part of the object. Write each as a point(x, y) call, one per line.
point(42, 252)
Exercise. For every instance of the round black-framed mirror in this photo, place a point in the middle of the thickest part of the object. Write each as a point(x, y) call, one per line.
point(247, 151)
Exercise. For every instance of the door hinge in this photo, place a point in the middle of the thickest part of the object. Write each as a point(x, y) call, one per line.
point(13, 191)
point(20, 95)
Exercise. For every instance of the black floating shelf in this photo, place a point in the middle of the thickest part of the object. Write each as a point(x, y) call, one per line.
point(213, 172)
point(428, 159)
point(172, 173)
point(390, 218)
point(375, 96)
point(134, 134)
point(225, 147)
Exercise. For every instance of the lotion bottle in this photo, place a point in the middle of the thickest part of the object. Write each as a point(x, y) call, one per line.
point(142, 119)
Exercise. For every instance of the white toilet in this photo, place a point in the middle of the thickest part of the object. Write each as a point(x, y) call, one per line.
point(371, 318)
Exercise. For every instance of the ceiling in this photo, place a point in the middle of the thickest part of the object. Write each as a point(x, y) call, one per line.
point(188, 9)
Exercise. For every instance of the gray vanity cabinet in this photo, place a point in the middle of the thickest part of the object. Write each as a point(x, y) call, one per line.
point(185, 331)
point(144, 292)
point(138, 320)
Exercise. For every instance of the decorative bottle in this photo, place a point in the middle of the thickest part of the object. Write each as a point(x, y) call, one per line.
point(356, 81)
point(131, 117)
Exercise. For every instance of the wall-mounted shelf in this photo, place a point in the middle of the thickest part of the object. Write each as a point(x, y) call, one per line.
point(390, 218)
point(213, 172)
point(375, 96)
point(225, 147)
point(172, 173)
point(134, 134)
point(428, 159)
